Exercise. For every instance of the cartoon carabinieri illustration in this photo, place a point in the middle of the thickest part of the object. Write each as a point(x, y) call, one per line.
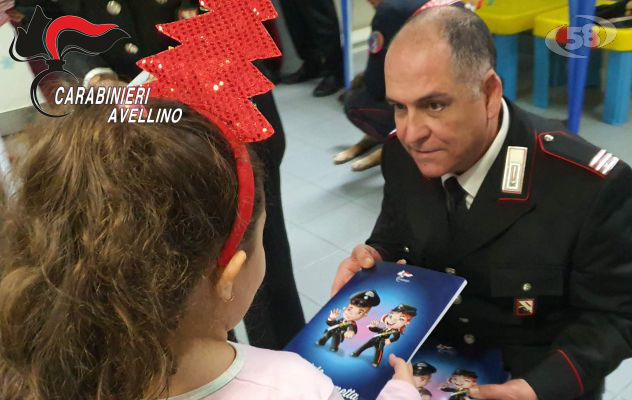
point(460, 383)
point(422, 375)
point(395, 323)
point(345, 327)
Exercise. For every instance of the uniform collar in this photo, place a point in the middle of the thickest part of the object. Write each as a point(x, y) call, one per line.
point(472, 179)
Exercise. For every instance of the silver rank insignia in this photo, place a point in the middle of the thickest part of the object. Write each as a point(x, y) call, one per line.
point(603, 162)
point(513, 175)
point(524, 307)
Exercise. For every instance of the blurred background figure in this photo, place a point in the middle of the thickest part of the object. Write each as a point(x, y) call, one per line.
point(313, 26)
point(365, 104)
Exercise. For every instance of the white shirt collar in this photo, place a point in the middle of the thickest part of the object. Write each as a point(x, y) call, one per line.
point(472, 179)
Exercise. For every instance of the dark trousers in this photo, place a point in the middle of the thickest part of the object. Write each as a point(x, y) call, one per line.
point(379, 350)
point(276, 315)
point(335, 342)
point(373, 117)
point(313, 25)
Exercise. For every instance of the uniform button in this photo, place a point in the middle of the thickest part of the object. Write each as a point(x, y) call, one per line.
point(469, 339)
point(406, 249)
point(464, 320)
point(450, 271)
point(548, 138)
point(526, 287)
point(131, 48)
point(113, 7)
point(458, 299)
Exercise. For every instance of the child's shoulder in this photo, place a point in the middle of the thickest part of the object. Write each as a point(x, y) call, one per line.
point(285, 372)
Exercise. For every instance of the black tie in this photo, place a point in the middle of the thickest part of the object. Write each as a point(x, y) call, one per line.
point(456, 200)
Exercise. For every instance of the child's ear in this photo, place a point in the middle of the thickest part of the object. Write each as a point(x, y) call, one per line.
point(224, 286)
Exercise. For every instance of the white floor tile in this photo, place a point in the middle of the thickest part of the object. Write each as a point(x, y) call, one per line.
point(307, 247)
point(314, 280)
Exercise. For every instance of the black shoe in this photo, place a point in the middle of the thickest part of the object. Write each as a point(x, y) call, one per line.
point(305, 73)
point(333, 349)
point(355, 355)
point(328, 86)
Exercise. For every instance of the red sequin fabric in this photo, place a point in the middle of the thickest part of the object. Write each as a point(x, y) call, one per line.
point(212, 71)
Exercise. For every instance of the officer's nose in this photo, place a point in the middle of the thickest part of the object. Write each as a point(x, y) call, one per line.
point(413, 130)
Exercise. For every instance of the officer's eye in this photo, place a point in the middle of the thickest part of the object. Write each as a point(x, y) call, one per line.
point(398, 106)
point(436, 106)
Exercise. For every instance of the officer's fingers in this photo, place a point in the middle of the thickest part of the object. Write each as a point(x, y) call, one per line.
point(403, 370)
point(489, 392)
point(348, 267)
point(365, 255)
point(402, 261)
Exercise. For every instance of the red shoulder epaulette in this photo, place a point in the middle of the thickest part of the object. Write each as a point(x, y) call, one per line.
point(578, 152)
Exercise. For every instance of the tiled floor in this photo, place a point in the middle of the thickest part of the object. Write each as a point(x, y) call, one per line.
point(329, 209)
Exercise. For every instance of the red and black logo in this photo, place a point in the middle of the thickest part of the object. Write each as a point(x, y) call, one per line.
point(52, 41)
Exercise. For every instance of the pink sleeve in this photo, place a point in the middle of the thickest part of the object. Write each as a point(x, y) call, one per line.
point(396, 389)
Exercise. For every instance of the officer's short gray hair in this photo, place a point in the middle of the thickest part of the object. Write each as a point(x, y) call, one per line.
point(473, 48)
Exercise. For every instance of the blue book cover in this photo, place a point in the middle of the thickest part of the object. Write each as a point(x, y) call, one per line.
point(391, 308)
point(445, 371)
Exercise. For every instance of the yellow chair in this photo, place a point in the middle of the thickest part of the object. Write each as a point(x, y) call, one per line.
point(506, 19)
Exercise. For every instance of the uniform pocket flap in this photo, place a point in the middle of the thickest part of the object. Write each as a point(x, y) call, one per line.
point(528, 281)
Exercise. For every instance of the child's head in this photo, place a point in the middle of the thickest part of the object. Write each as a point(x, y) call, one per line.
point(110, 247)
point(463, 379)
point(422, 373)
point(360, 304)
point(399, 317)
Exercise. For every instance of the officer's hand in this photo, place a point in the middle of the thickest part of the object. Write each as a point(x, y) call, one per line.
point(387, 342)
point(349, 334)
point(374, 324)
point(515, 389)
point(335, 313)
point(403, 370)
point(363, 256)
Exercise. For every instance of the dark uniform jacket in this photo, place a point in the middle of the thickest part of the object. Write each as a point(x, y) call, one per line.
point(565, 242)
point(340, 326)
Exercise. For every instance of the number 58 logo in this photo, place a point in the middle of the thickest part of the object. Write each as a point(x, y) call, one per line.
point(575, 37)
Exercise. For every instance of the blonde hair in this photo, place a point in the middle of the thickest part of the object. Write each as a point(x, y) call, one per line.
point(110, 230)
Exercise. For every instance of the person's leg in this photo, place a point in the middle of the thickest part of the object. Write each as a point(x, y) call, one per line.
point(323, 29)
point(324, 338)
point(362, 348)
point(373, 117)
point(379, 351)
point(307, 49)
point(335, 343)
point(276, 315)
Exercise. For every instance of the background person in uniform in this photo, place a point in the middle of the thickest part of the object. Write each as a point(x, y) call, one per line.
point(536, 219)
point(364, 104)
point(313, 26)
point(277, 315)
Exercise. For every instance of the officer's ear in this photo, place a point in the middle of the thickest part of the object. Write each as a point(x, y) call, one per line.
point(492, 93)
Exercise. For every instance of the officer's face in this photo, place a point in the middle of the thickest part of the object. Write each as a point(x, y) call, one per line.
point(440, 121)
point(354, 313)
point(462, 382)
point(421, 380)
point(396, 320)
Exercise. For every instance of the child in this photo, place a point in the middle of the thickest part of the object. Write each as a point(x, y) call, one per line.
point(395, 322)
point(345, 328)
point(460, 384)
point(110, 287)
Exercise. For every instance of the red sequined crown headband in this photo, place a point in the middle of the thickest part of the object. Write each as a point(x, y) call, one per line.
point(212, 72)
